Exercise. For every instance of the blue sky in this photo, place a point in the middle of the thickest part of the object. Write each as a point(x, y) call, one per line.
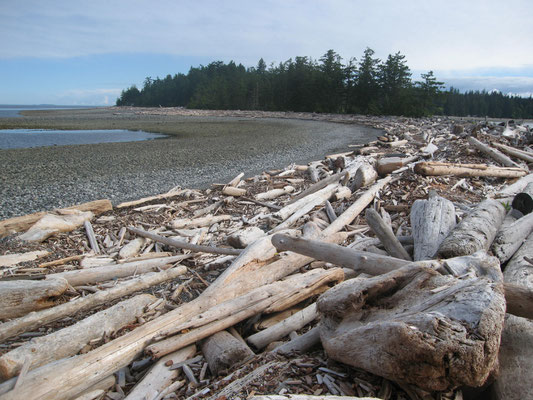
point(86, 52)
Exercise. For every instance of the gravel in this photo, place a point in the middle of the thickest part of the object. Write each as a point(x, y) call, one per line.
point(202, 151)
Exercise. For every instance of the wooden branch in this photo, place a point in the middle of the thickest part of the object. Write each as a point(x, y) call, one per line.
point(319, 185)
point(184, 245)
point(114, 271)
point(222, 351)
point(233, 191)
point(209, 220)
point(235, 181)
point(83, 304)
point(438, 168)
point(431, 221)
point(50, 224)
point(97, 390)
point(274, 193)
point(60, 344)
point(131, 249)
point(20, 224)
point(301, 343)
point(523, 155)
point(493, 153)
point(171, 193)
point(509, 239)
point(92, 238)
point(261, 203)
point(296, 321)
point(19, 297)
point(475, 232)
point(10, 260)
point(385, 235)
point(314, 198)
point(160, 376)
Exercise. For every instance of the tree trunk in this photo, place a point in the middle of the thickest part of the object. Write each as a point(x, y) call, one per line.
point(493, 153)
point(431, 221)
point(509, 239)
point(523, 155)
point(222, 351)
point(475, 232)
point(439, 168)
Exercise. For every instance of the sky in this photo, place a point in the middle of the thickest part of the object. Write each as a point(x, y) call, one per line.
point(79, 52)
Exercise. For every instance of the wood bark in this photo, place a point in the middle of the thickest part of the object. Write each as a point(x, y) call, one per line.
point(222, 351)
point(523, 155)
point(417, 326)
point(509, 239)
point(160, 376)
point(433, 168)
point(184, 245)
point(475, 232)
point(385, 235)
point(82, 304)
point(493, 153)
point(50, 224)
point(431, 221)
point(23, 223)
point(10, 260)
point(293, 323)
point(19, 297)
point(114, 271)
point(68, 341)
point(209, 220)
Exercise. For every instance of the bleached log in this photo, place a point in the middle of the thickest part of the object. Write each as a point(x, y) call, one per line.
point(509, 239)
point(99, 274)
point(245, 237)
point(19, 297)
point(160, 375)
point(315, 199)
point(386, 165)
point(493, 153)
point(274, 193)
point(523, 155)
point(342, 193)
point(364, 176)
point(171, 193)
point(301, 343)
point(131, 249)
point(515, 188)
point(96, 391)
point(431, 221)
point(335, 178)
point(23, 223)
point(51, 224)
point(199, 222)
point(91, 236)
point(475, 232)
point(60, 344)
point(293, 323)
point(313, 173)
point(10, 260)
point(233, 191)
point(222, 351)
point(385, 235)
point(433, 168)
point(184, 245)
point(82, 304)
point(235, 181)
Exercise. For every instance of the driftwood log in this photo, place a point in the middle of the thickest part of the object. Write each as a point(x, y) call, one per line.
point(492, 153)
point(475, 232)
point(431, 221)
point(223, 351)
point(509, 240)
point(417, 326)
point(9, 260)
point(385, 235)
point(434, 168)
point(50, 224)
point(523, 155)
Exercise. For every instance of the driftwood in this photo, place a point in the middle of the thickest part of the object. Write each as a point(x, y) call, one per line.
point(235, 181)
point(20, 224)
point(19, 297)
point(222, 351)
point(50, 224)
point(309, 397)
point(475, 232)
point(171, 193)
point(515, 188)
point(91, 236)
point(10, 260)
point(431, 221)
point(160, 375)
point(516, 349)
point(245, 237)
point(311, 200)
point(523, 155)
point(509, 239)
point(113, 271)
point(417, 326)
point(301, 343)
point(199, 222)
point(184, 245)
point(97, 390)
point(434, 168)
point(233, 191)
point(386, 235)
point(36, 319)
point(319, 185)
point(294, 322)
point(68, 341)
point(132, 248)
point(274, 193)
point(493, 153)
point(364, 176)
point(387, 165)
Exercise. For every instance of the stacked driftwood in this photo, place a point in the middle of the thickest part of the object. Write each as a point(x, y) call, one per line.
point(389, 257)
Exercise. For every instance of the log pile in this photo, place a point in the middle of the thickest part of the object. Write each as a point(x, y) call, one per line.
point(374, 273)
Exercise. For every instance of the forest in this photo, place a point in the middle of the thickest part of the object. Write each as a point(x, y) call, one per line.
point(365, 86)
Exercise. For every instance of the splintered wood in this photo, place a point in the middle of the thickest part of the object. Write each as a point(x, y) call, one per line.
point(236, 291)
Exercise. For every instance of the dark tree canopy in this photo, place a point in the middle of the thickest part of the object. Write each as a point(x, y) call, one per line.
point(326, 85)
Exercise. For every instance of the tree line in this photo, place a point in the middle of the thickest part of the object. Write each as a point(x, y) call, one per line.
point(326, 85)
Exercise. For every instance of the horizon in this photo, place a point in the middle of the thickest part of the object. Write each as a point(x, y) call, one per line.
point(85, 54)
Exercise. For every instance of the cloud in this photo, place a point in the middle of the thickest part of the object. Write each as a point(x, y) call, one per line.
point(90, 97)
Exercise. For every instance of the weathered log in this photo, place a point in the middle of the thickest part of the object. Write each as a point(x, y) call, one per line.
point(132, 248)
point(222, 351)
point(99, 274)
point(433, 168)
point(20, 224)
point(509, 239)
point(296, 321)
point(523, 155)
point(19, 297)
point(313, 199)
point(515, 188)
point(160, 376)
point(209, 220)
point(92, 237)
point(493, 153)
point(417, 326)
point(274, 193)
point(60, 344)
point(385, 235)
point(313, 173)
point(10, 260)
point(475, 232)
point(301, 343)
point(233, 191)
point(245, 237)
point(319, 185)
point(50, 224)
point(184, 245)
point(364, 176)
point(171, 193)
point(308, 397)
point(387, 165)
point(342, 193)
point(431, 221)
point(516, 348)
point(235, 181)
point(97, 390)
point(36, 319)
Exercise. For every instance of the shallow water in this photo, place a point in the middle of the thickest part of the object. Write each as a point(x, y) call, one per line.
point(28, 138)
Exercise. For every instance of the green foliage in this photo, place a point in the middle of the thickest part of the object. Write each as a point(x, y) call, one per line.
point(369, 86)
